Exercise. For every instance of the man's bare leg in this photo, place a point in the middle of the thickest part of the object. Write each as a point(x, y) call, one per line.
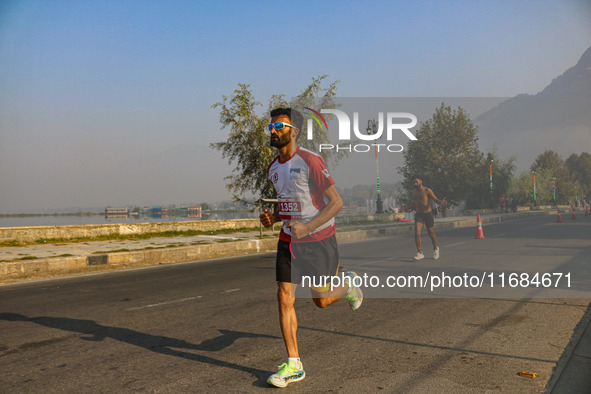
point(431, 231)
point(418, 229)
point(326, 298)
point(287, 317)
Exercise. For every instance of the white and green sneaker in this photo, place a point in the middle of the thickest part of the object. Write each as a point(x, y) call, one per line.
point(436, 253)
point(287, 374)
point(354, 295)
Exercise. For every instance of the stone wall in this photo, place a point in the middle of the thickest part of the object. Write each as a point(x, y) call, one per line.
point(32, 234)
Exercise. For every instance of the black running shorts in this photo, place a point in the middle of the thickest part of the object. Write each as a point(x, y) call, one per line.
point(319, 258)
point(425, 218)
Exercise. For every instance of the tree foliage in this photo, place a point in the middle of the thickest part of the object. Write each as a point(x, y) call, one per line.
point(566, 184)
point(247, 147)
point(550, 168)
point(580, 168)
point(522, 187)
point(445, 155)
point(480, 196)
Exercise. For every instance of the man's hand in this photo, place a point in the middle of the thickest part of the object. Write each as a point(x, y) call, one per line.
point(267, 219)
point(298, 229)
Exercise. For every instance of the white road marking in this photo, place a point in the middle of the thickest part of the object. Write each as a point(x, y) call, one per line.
point(174, 301)
point(498, 235)
point(162, 303)
point(456, 244)
point(375, 261)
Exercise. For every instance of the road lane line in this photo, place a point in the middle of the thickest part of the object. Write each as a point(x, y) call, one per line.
point(456, 244)
point(375, 262)
point(162, 303)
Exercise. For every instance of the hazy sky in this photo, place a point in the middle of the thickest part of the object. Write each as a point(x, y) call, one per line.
point(109, 102)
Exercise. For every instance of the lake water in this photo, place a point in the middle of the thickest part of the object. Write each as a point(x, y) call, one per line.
point(64, 220)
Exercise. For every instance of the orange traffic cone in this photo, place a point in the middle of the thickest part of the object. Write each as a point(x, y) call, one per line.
point(479, 232)
point(573, 216)
point(559, 218)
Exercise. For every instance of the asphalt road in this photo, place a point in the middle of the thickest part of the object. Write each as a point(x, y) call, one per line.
point(212, 326)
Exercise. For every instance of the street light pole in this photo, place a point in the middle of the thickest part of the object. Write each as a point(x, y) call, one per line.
point(535, 202)
point(491, 185)
point(492, 201)
point(372, 128)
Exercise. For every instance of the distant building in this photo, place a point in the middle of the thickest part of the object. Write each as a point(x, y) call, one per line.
point(194, 210)
point(116, 211)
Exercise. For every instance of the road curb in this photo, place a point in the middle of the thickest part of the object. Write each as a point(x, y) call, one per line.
point(571, 372)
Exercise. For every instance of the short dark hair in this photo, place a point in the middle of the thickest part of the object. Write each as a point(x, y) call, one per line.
point(415, 177)
point(296, 118)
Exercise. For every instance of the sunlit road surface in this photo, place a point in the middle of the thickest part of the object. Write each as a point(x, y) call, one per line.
point(212, 326)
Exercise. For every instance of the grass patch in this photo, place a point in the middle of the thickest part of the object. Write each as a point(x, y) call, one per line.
point(10, 243)
point(28, 258)
point(111, 251)
point(226, 240)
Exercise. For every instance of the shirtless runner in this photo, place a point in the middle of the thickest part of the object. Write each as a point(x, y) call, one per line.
point(423, 215)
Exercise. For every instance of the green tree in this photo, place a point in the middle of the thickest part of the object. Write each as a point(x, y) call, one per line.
point(580, 168)
point(247, 146)
point(522, 187)
point(480, 196)
point(549, 160)
point(445, 155)
point(567, 186)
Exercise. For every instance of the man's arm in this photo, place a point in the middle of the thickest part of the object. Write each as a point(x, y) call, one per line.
point(438, 201)
point(335, 203)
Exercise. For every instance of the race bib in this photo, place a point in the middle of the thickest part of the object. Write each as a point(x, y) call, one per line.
point(289, 209)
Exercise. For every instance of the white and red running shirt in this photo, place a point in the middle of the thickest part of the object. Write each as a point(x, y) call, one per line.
point(300, 183)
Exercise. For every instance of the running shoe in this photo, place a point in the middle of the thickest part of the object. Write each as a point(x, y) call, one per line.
point(419, 256)
point(354, 295)
point(287, 374)
point(436, 253)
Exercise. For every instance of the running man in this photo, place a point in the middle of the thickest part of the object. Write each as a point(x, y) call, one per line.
point(423, 216)
point(308, 202)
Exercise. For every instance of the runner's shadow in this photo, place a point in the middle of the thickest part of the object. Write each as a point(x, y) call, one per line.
point(92, 331)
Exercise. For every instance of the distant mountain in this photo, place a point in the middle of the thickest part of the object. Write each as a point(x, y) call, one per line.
point(557, 118)
point(576, 81)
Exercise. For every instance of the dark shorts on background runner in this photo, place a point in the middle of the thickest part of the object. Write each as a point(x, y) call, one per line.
point(319, 258)
point(425, 218)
